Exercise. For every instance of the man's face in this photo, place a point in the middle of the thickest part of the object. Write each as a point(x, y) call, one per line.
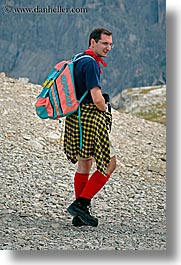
point(103, 46)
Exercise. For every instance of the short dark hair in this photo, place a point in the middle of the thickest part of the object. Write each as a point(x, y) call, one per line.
point(96, 34)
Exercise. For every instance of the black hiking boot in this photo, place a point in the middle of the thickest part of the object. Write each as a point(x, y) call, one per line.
point(79, 208)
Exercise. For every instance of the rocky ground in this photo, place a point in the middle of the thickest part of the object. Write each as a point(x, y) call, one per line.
point(36, 182)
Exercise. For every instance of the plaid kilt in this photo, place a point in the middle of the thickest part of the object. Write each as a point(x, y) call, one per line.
point(95, 137)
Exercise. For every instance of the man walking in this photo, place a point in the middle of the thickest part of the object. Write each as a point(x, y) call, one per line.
point(95, 121)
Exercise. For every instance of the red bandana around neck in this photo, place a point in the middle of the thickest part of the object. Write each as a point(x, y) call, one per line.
point(98, 59)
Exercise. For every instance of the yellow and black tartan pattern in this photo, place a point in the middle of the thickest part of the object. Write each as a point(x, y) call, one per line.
point(95, 137)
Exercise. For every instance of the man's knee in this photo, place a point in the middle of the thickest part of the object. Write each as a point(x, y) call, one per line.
point(84, 166)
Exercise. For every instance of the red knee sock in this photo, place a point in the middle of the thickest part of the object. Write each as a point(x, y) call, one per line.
point(94, 184)
point(80, 180)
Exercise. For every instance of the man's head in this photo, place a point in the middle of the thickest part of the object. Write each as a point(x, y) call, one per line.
point(100, 41)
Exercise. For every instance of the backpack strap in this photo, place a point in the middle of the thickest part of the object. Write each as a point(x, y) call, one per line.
point(79, 118)
point(75, 59)
point(80, 127)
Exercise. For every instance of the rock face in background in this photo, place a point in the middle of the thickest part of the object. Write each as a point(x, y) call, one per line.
point(32, 40)
point(146, 102)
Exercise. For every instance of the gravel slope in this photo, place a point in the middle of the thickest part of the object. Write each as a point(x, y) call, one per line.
point(36, 182)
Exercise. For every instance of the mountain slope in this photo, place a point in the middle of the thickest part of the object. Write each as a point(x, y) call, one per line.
point(33, 39)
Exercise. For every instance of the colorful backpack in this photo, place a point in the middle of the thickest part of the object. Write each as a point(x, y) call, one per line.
point(58, 96)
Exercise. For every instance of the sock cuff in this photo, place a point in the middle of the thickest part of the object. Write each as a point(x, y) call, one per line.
point(82, 175)
point(101, 177)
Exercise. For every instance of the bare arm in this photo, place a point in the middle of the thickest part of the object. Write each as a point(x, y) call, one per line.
point(98, 99)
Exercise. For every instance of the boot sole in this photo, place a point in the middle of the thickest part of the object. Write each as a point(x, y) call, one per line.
point(78, 222)
point(85, 218)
